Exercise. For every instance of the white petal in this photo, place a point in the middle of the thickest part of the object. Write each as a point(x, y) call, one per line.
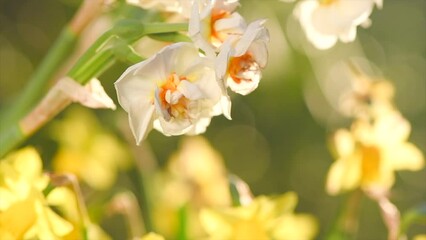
point(304, 11)
point(190, 90)
point(200, 126)
point(349, 35)
point(255, 30)
point(259, 50)
point(195, 31)
point(235, 24)
point(222, 63)
point(245, 87)
point(338, 17)
point(174, 126)
point(92, 95)
point(226, 106)
point(140, 119)
point(226, 5)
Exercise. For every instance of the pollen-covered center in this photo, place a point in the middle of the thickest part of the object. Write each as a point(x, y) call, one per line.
point(244, 68)
point(370, 164)
point(169, 100)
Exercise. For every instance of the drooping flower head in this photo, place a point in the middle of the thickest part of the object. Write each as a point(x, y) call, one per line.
point(174, 91)
point(326, 21)
point(371, 152)
point(241, 59)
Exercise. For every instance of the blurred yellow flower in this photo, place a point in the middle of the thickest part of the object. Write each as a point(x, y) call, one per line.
point(368, 98)
point(24, 210)
point(196, 177)
point(88, 151)
point(65, 200)
point(420, 237)
point(264, 218)
point(152, 236)
point(370, 152)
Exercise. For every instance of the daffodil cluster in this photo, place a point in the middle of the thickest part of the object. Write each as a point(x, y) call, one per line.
point(179, 89)
point(24, 209)
point(29, 203)
point(377, 143)
point(195, 178)
point(264, 218)
point(87, 157)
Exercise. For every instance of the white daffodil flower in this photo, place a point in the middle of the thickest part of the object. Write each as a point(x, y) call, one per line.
point(174, 91)
point(212, 23)
point(326, 21)
point(241, 59)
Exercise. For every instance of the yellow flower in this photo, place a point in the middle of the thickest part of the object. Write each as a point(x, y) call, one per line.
point(196, 177)
point(152, 236)
point(65, 200)
point(369, 154)
point(368, 98)
point(24, 210)
point(88, 151)
point(420, 237)
point(264, 218)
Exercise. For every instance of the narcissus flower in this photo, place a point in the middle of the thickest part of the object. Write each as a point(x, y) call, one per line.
point(326, 21)
point(214, 23)
point(196, 177)
point(264, 218)
point(24, 210)
point(65, 201)
point(368, 98)
point(370, 153)
point(174, 91)
point(241, 59)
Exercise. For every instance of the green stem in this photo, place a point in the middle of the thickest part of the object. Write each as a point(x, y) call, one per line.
point(182, 233)
point(346, 224)
point(37, 84)
point(98, 58)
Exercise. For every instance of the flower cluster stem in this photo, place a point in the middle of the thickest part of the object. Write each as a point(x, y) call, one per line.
point(99, 57)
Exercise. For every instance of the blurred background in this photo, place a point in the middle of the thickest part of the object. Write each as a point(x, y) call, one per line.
point(278, 138)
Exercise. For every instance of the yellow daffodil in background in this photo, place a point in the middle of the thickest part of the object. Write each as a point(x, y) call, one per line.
point(65, 200)
point(370, 153)
point(420, 237)
point(264, 218)
point(152, 236)
point(368, 98)
point(87, 150)
point(24, 210)
point(196, 177)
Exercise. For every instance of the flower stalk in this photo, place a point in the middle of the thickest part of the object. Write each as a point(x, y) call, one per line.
point(56, 56)
point(100, 56)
